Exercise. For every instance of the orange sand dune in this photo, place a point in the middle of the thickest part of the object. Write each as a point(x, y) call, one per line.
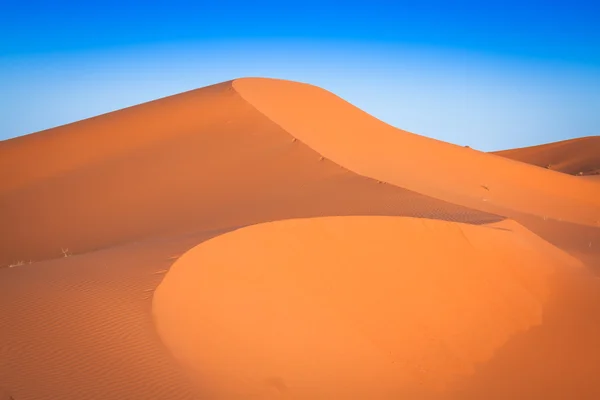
point(579, 156)
point(375, 308)
point(124, 194)
point(203, 160)
point(367, 146)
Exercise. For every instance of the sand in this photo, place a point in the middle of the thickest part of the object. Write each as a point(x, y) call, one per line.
point(358, 307)
point(576, 156)
point(357, 141)
point(472, 269)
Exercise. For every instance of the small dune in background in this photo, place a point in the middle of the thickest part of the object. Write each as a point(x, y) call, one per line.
point(574, 157)
point(265, 239)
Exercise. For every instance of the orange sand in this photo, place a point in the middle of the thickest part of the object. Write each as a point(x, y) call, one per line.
point(354, 307)
point(365, 145)
point(575, 156)
point(476, 307)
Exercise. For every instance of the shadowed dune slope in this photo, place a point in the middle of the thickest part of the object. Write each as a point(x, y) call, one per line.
point(80, 328)
point(367, 146)
point(202, 160)
point(575, 156)
point(377, 308)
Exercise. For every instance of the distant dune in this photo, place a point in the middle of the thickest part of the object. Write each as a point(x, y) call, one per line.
point(574, 157)
point(333, 256)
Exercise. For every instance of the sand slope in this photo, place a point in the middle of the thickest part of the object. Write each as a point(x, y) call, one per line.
point(80, 327)
point(365, 145)
point(579, 156)
point(364, 307)
point(544, 201)
point(125, 193)
point(202, 160)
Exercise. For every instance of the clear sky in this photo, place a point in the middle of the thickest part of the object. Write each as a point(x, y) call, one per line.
point(487, 74)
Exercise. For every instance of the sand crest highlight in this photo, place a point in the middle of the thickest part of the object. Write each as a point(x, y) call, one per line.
point(367, 146)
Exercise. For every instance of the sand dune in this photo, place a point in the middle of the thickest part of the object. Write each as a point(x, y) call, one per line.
point(364, 307)
point(367, 146)
point(124, 194)
point(225, 166)
point(576, 156)
point(209, 162)
point(540, 199)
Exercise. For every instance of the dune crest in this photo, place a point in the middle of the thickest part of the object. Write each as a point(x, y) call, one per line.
point(343, 298)
point(125, 192)
point(363, 144)
point(198, 161)
point(352, 307)
point(579, 156)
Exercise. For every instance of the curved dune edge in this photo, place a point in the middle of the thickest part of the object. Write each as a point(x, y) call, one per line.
point(367, 146)
point(580, 156)
point(352, 307)
point(201, 160)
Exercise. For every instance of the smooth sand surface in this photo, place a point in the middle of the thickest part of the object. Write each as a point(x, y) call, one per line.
point(357, 141)
point(592, 178)
point(361, 307)
point(575, 156)
point(209, 162)
point(94, 214)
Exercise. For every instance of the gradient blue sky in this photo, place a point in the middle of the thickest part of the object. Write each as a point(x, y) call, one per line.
point(491, 75)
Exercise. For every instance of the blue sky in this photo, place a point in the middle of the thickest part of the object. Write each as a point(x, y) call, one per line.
point(490, 75)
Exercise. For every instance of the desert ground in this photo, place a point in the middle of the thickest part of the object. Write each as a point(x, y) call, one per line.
point(265, 239)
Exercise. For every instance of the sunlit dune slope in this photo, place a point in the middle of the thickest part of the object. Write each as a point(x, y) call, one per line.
point(579, 156)
point(361, 143)
point(374, 308)
point(357, 303)
point(203, 160)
